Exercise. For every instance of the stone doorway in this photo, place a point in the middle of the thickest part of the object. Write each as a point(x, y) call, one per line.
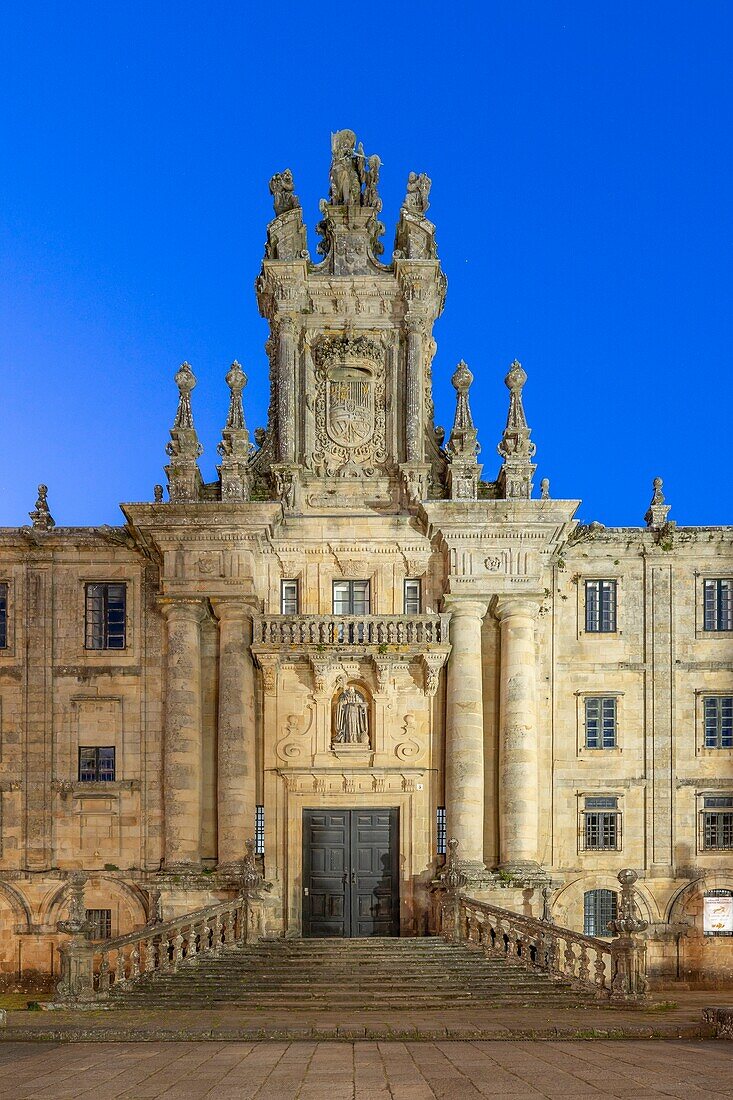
point(350, 873)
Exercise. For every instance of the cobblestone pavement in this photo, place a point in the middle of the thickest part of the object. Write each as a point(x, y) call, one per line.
point(365, 1071)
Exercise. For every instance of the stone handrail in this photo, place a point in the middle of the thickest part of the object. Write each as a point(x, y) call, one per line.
point(374, 630)
point(613, 969)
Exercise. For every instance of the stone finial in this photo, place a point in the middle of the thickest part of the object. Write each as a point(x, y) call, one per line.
point(235, 447)
point(418, 189)
point(415, 237)
point(462, 448)
point(286, 234)
point(282, 189)
point(545, 488)
point(76, 923)
point(158, 494)
point(41, 517)
point(184, 477)
point(350, 227)
point(656, 516)
point(516, 448)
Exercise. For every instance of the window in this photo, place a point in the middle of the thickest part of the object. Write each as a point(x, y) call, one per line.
point(259, 830)
point(105, 616)
point(601, 824)
point(599, 907)
point(413, 601)
point(718, 711)
point(289, 601)
point(3, 616)
point(600, 722)
point(101, 921)
point(600, 607)
point(718, 597)
point(717, 822)
point(351, 598)
point(440, 829)
point(96, 765)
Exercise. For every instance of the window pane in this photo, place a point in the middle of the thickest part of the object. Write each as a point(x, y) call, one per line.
point(101, 920)
point(289, 598)
point(3, 616)
point(593, 723)
point(718, 604)
point(600, 606)
point(341, 598)
point(599, 907)
point(105, 616)
point(87, 765)
point(95, 616)
point(106, 764)
point(718, 719)
point(412, 597)
point(360, 598)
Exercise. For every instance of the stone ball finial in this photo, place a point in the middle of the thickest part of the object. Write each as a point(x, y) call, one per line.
point(627, 876)
point(185, 379)
point(235, 378)
point(516, 377)
point(462, 378)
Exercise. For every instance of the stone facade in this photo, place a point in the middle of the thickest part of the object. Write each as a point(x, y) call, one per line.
point(225, 694)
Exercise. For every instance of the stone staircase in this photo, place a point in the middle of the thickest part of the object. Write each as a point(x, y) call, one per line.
point(347, 975)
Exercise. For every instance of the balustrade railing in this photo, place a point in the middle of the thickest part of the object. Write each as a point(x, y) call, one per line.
point(372, 630)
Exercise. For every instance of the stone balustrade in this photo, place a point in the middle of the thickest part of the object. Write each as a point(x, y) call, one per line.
point(338, 630)
point(91, 969)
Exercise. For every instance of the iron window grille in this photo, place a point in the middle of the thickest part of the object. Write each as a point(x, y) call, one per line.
point(600, 722)
point(101, 921)
point(718, 601)
point(289, 598)
point(259, 830)
point(600, 826)
point(718, 715)
point(600, 607)
point(96, 764)
point(105, 616)
point(412, 597)
point(440, 844)
point(3, 616)
point(716, 823)
point(599, 907)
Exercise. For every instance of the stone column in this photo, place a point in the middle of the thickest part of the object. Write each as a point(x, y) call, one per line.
point(182, 734)
point(464, 733)
point(286, 389)
point(518, 736)
point(236, 781)
point(414, 391)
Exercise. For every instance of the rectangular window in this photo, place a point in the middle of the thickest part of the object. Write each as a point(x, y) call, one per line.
point(259, 830)
point(351, 598)
point(3, 616)
point(289, 602)
point(717, 823)
point(600, 607)
point(600, 722)
point(718, 712)
point(412, 599)
point(101, 921)
point(96, 764)
point(718, 604)
point(599, 907)
point(601, 827)
point(105, 616)
point(440, 846)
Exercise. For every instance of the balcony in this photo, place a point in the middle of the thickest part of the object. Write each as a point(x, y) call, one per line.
point(322, 631)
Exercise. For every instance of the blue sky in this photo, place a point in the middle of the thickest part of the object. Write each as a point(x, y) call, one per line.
point(581, 158)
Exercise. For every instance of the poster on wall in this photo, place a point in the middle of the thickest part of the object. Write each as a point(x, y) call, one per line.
point(717, 914)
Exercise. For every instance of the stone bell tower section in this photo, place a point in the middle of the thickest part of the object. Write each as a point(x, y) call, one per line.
point(350, 346)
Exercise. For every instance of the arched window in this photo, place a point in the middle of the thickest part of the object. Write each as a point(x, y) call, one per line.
point(599, 907)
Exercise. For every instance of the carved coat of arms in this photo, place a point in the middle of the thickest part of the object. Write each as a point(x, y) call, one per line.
point(349, 406)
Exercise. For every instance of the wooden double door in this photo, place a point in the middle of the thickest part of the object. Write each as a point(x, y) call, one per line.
point(350, 873)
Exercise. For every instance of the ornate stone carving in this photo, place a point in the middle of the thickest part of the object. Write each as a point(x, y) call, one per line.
point(383, 673)
point(184, 477)
point(351, 720)
point(235, 447)
point(418, 191)
point(415, 237)
point(415, 481)
point(286, 234)
point(287, 485)
point(545, 488)
point(350, 227)
point(282, 189)
point(408, 746)
point(41, 517)
point(464, 471)
point(349, 406)
point(294, 740)
point(76, 924)
point(432, 664)
point(516, 448)
point(656, 516)
point(269, 667)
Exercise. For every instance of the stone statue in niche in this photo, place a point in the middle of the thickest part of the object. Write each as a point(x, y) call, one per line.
point(352, 717)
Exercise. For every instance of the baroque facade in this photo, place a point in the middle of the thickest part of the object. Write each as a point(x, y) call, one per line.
point(351, 645)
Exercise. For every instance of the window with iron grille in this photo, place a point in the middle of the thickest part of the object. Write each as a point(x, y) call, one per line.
point(96, 764)
point(412, 597)
point(718, 598)
point(717, 823)
point(105, 616)
point(599, 907)
point(718, 714)
point(101, 920)
point(440, 845)
point(259, 830)
point(601, 825)
point(3, 616)
point(351, 598)
point(289, 601)
point(600, 607)
point(600, 722)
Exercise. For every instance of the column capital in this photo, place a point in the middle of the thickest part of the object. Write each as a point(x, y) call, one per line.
point(524, 606)
point(463, 606)
point(234, 607)
point(182, 608)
